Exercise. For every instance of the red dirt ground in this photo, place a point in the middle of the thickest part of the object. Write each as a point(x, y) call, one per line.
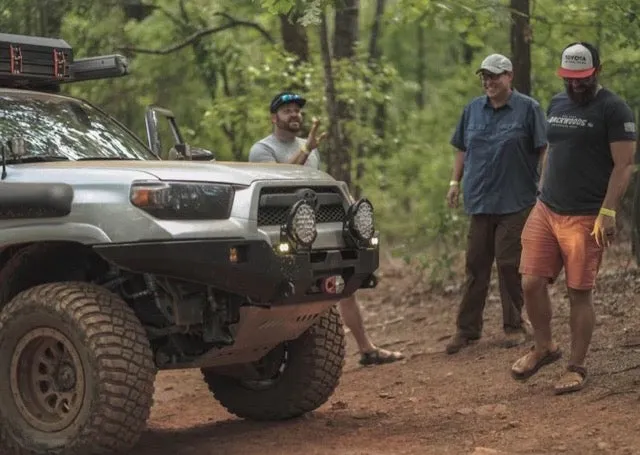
point(432, 403)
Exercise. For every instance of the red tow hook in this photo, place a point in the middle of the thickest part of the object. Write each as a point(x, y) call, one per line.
point(333, 284)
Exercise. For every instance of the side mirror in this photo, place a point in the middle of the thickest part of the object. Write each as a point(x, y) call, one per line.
point(186, 152)
point(162, 142)
point(168, 144)
point(200, 154)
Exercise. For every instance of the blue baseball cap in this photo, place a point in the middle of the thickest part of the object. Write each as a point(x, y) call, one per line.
point(285, 98)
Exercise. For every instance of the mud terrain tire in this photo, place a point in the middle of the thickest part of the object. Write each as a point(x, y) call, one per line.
point(312, 373)
point(76, 371)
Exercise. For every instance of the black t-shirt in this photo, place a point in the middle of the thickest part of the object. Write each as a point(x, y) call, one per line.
point(579, 162)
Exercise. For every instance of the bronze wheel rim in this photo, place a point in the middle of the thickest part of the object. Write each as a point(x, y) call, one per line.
point(269, 370)
point(47, 379)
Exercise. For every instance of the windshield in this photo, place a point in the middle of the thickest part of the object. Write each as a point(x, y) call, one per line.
point(64, 128)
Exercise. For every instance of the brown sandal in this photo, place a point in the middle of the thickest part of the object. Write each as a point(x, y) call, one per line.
point(579, 376)
point(380, 357)
point(547, 359)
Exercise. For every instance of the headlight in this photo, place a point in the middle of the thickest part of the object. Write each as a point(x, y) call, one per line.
point(301, 224)
point(183, 200)
point(359, 220)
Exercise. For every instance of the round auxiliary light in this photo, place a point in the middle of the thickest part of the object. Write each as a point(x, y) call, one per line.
point(362, 224)
point(301, 223)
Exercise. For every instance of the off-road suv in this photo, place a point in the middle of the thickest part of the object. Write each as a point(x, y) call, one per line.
point(116, 263)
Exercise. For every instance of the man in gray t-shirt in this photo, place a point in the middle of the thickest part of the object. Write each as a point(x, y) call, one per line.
point(284, 146)
point(272, 148)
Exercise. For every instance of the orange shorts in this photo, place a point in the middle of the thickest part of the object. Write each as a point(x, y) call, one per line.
point(551, 241)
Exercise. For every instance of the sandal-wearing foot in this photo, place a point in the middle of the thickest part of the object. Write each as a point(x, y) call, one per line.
point(379, 357)
point(573, 380)
point(548, 358)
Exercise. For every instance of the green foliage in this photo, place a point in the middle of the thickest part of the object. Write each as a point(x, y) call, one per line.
point(220, 84)
point(309, 10)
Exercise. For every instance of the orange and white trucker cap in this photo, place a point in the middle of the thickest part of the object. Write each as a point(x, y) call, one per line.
point(579, 60)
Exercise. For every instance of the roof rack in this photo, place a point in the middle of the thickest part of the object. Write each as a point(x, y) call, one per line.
point(39, 63)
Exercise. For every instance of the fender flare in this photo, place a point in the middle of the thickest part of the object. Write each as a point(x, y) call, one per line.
point(86, 234)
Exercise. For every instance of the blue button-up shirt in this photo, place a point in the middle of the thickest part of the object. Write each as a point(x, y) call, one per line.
point(501, 154)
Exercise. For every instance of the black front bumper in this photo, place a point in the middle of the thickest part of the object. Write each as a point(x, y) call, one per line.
point(258, 272)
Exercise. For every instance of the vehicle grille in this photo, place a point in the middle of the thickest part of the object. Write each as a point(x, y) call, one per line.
point(273, 209)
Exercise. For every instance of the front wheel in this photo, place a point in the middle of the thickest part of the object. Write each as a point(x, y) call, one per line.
point(76, 372)
point(296, 377)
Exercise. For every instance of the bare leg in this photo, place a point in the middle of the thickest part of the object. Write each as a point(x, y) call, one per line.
point(582, 322)
point(538, 305)
point(370, 354)
point(352, 317)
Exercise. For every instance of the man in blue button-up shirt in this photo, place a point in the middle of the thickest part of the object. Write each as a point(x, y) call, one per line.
point(499, 140)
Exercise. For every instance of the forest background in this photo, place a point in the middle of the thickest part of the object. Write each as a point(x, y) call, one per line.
point(387, 78)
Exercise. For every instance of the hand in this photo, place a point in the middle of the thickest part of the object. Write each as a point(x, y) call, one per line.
point(453, 196)
point(312, 140)
point(604, 230)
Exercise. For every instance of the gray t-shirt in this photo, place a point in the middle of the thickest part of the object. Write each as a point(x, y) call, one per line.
point(272, 150)
point(579, 163)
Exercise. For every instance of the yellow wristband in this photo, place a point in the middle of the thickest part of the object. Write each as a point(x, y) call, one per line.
point(454, 183)
point(607, 212)
point(304, 149)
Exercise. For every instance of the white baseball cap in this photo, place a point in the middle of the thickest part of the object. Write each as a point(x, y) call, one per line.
point(579, 60)
point(496, 64)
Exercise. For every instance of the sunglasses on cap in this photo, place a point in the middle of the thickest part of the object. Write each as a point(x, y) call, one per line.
point(288, 98)
point(285, 99)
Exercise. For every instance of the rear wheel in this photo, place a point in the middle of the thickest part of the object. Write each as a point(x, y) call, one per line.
point(77, 371)
point(294, 378)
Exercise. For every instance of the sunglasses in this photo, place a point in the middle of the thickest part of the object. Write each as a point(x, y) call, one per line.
point(490, 76)
point(288, 98)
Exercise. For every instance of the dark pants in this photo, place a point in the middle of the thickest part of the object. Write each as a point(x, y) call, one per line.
point(492, 237)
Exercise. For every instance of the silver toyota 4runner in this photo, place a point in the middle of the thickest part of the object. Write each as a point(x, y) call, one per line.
point(116, 263)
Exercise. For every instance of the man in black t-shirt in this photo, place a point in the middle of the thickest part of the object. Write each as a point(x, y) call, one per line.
point(592, 134)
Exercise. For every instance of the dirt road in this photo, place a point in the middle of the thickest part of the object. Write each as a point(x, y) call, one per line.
point(432, 403)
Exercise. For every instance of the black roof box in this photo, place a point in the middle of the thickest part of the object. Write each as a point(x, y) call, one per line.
point(34, 57)
point(33, 62)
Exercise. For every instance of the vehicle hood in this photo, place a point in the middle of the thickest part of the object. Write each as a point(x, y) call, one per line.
point(217, 171)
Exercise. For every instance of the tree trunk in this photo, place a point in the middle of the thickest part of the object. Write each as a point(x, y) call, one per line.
point(379, 111)
point(374, 60)
point(468, 52)
point(330, 95)
point(421, 65)
point(294, 37)
point(521, 46)
point(296, 42)
point(137, 9)
point(344, 46)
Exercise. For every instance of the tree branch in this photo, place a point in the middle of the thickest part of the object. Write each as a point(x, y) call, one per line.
point(183, 12)
point(200, 33)
point(171, 17)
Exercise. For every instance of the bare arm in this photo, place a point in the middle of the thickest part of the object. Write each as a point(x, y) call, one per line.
point(543, 161)
point(622, 153)
point(456, 176)
point(300, 157)
point(458, 166)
